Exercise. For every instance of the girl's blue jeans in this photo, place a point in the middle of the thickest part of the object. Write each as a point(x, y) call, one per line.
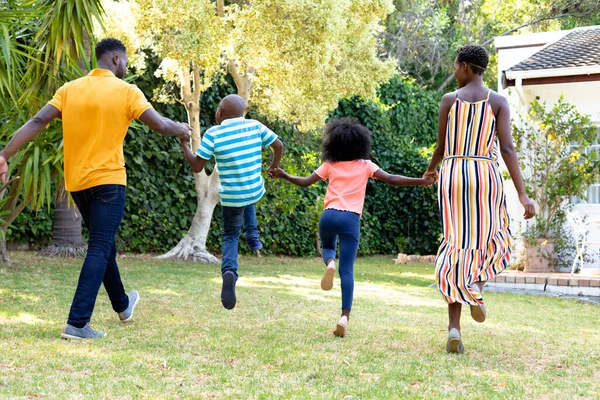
point(345, 226)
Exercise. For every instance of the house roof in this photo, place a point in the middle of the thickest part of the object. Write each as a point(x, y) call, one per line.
point(578, 48)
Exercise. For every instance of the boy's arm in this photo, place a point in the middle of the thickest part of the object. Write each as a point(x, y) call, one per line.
point(399, 180)
point(277, 147)
point(197, 163)
point(301, 181)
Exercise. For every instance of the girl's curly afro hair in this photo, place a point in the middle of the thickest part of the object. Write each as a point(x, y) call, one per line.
point(344, 139)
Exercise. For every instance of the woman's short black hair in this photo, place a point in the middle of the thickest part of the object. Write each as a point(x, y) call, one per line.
point(109, 45)
point(344, 139)
point(476, 56)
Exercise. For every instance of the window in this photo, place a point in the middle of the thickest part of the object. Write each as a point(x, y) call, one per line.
point(593, 192)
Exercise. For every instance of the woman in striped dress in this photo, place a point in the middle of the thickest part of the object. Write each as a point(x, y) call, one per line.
point(476, 242)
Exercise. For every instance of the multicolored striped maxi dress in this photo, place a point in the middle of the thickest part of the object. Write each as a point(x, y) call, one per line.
point(476, 242)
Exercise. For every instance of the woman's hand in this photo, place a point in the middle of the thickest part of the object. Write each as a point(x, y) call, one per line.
point(528, 205)
point(433, 174)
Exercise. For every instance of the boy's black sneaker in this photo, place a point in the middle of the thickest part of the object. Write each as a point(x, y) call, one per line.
point(228, 290)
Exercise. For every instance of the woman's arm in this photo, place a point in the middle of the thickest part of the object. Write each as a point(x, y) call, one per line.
point(509, 155)
point(399, 180)
point(296, 180)
point(438, 153)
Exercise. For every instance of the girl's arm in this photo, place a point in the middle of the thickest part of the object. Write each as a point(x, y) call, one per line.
point(296, 180)
point(399, 180)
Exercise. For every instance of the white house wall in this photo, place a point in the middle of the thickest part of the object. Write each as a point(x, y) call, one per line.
point(586, 97)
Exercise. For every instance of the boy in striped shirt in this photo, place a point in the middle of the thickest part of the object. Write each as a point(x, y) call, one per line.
point(236, 143)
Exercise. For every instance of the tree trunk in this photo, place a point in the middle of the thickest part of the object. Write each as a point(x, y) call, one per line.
point(12, 208)
point(193, 246)
point(66, 229)
point(67, 240)
point(4, 259)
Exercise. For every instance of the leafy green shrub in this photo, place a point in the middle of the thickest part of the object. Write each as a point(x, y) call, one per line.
point(161, 199)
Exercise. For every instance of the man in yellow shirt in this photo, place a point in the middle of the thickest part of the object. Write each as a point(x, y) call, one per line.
point(96, 111)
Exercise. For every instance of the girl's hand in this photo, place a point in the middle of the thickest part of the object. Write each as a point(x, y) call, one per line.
point(433, 174)
point(527, 205)
point(430, 180)
point(275, 172)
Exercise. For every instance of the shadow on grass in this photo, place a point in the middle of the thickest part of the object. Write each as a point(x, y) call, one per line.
point(310, 289)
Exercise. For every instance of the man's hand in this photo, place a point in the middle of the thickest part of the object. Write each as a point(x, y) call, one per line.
point(3, 169)
point(185, 139)
point(185, 132)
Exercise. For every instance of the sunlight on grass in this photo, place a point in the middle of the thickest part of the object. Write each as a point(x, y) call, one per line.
point(18, 295)
point(278, 341)
point(167, 292)
point(311, 289)
point(21, 318)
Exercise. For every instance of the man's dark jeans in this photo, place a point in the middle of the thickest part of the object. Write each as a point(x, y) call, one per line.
point(101, 208)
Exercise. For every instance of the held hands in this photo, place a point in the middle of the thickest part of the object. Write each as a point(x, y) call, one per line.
point(431, 177)
point(429, 180)
point(527, 205)
point(185, 132)
point(275, 172)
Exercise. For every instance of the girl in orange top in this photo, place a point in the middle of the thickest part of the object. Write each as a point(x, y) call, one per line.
point(346, 151)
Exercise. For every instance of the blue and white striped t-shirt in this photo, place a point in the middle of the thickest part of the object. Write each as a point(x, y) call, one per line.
point(237, 146)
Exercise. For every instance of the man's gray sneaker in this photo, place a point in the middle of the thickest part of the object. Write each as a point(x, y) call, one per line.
point(127, 315)
point(70, 332)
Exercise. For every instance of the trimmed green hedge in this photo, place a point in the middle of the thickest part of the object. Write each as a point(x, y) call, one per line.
point(161, 198)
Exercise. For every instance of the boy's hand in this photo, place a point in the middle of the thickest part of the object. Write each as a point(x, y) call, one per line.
point(275, 172)
point(185, 139)
point(184, 136)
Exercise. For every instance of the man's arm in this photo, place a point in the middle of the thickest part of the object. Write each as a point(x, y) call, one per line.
point(196, 162)
point(26, 133)
point(162, 125)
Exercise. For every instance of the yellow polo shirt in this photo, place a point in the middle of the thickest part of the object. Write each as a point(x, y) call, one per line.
point(96, 112)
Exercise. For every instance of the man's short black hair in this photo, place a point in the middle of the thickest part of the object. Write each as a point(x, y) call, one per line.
point(109, 45)
point(345, 139)
point(476, 56)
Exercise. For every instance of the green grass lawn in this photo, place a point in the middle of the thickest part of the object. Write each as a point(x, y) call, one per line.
point(277, 342)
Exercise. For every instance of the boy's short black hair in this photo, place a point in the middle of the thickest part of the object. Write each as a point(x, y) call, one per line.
point(344, 139)
point(476, 56)
point(109, 45)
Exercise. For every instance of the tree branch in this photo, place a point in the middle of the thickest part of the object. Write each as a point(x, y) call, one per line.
point(197, 85)
point(220, 8)
point(537, 21)
point(186, 86)
point(242, 82)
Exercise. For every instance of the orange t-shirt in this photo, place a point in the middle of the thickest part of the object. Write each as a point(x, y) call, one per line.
point(347, 183)
point(96, 112)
